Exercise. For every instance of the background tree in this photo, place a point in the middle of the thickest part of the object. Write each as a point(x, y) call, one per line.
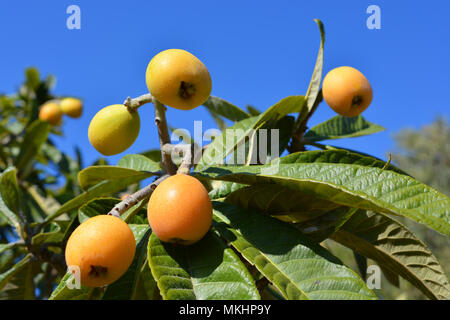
point(425, 154)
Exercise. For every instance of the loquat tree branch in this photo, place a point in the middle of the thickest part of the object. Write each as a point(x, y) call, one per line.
point(133, 199)
point(164, 137)
point(186, 151)
point(137, 102)
point(297, 138)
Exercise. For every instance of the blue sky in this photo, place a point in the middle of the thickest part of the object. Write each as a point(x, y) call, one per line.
point(257, 53)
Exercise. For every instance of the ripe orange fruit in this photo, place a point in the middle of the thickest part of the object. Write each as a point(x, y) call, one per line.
point(51, 113)
point(114, 129)
point(103, 247)
point(179, 210)
point(347, 91)
point(72, 107)
point(178, 79)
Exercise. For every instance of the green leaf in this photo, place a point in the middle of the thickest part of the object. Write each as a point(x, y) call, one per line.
point(20, 286)
point(146, 288)
point(226, 142)
point(7, 246)
point(225, 109)
point(32, 78)
point(57, 233)
point(102, 189)
point(325, 225)
point(245, 129)
point(297, 266)
point(66, 290)
point(252, 111)
point(395, 248)
point(338, 156)
point(340, 127)
point(369, 188)
point(9, 197)
point(223, 188)
point(46, 203)
point(206, 270)
point(35, 135)
point(96, 207)
point(96, 174)
point(139, 162)
point(6, 276)
point(154, 155)
point(291, 104)
point(316, 79)
point(313, 93)
point(124, 288)
point(104, 205)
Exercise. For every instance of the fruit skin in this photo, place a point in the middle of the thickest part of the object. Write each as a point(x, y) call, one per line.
point(72, 107)
point(103, 247)
point(114, 129)
point(179, 210)
point(347, 91)
point(178, 79)
point(51, 113)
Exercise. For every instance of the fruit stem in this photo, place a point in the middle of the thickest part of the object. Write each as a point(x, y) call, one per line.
point(133, 199)
point(134, 103)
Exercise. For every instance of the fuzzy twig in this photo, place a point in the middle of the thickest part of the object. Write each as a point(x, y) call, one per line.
point(186, 151)
point(297, 143)
point(164, 137)
point(133, 199)
point(139, 101)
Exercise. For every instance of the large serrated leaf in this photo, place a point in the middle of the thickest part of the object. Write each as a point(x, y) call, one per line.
point(223, 188)
point(95, 174)
point(338, 156)
point(296, 265)
point(225, 109)
point(139, 162)
point(352, 185)
point(244, 130)
point(102, 189)
point(66, 290)
point(340, 127)
point(396, 249)
point(207, 270)
point(226, 142)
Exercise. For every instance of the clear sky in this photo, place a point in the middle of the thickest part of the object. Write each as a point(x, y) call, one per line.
point(256, 51)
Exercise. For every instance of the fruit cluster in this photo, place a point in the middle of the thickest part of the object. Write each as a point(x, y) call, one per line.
point(53, 111)
point(174, 77)
point(179, 210)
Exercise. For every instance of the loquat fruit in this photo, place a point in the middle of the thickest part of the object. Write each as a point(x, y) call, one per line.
point(347, 91)
point(178, 79)
point(114, 129)
point(179, 210)
point(103, 248)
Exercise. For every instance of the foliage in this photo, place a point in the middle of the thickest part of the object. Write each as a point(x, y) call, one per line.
point(271, 215)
